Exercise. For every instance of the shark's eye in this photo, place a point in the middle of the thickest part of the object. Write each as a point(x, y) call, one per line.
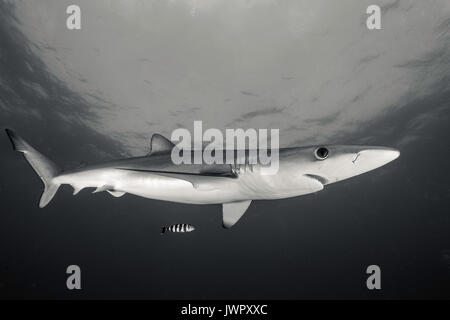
point(321, 153)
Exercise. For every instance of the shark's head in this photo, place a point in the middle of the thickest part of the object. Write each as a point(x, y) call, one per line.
point(330, 164)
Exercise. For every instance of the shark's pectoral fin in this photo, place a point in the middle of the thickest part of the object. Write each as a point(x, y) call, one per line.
point(233, 211)
point(116, 194)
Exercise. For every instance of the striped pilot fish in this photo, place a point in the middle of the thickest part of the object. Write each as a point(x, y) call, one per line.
point(180, 227)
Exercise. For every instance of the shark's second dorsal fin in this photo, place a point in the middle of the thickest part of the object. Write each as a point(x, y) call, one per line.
point(160, 144)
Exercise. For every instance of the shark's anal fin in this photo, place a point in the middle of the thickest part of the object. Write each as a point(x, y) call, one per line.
point(116, 194)
point(233, 211)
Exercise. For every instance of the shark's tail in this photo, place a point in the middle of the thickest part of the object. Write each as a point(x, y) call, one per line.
point(44, 168)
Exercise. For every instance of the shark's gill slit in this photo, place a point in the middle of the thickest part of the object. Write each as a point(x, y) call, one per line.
point(356, 158)
point(321, 179)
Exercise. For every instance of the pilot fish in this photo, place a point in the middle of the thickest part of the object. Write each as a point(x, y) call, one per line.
point(180, 227)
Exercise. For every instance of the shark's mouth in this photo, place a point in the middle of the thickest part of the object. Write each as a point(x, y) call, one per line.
point(321, 179)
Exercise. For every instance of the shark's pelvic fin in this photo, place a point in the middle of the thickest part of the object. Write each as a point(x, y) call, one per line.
point(103, 188)
point(160, 144)
point(233, 211)
point(45, 168)
point(110, 190)
point(116, 194)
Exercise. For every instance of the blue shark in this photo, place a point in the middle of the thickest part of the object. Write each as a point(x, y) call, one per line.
point(302, 170)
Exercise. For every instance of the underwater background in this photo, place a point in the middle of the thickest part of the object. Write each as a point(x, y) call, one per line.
point(311, 69)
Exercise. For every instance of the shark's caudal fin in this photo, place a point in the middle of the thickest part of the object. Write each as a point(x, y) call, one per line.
point(44, 168)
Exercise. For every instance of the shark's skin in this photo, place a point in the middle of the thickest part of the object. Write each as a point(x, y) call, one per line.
point(155, 177)
point(299, 173)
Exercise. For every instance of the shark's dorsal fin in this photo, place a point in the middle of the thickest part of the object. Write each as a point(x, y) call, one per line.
point(233, 211)
point(160, 144)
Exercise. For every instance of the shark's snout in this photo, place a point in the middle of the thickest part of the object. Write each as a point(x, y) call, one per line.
point(348, 161)
point(374, 157)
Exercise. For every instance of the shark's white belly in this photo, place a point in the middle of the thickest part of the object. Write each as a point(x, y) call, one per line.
point(159, 187)
point(208, 190)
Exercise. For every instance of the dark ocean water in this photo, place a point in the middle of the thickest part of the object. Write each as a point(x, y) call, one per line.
point(315, 246)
